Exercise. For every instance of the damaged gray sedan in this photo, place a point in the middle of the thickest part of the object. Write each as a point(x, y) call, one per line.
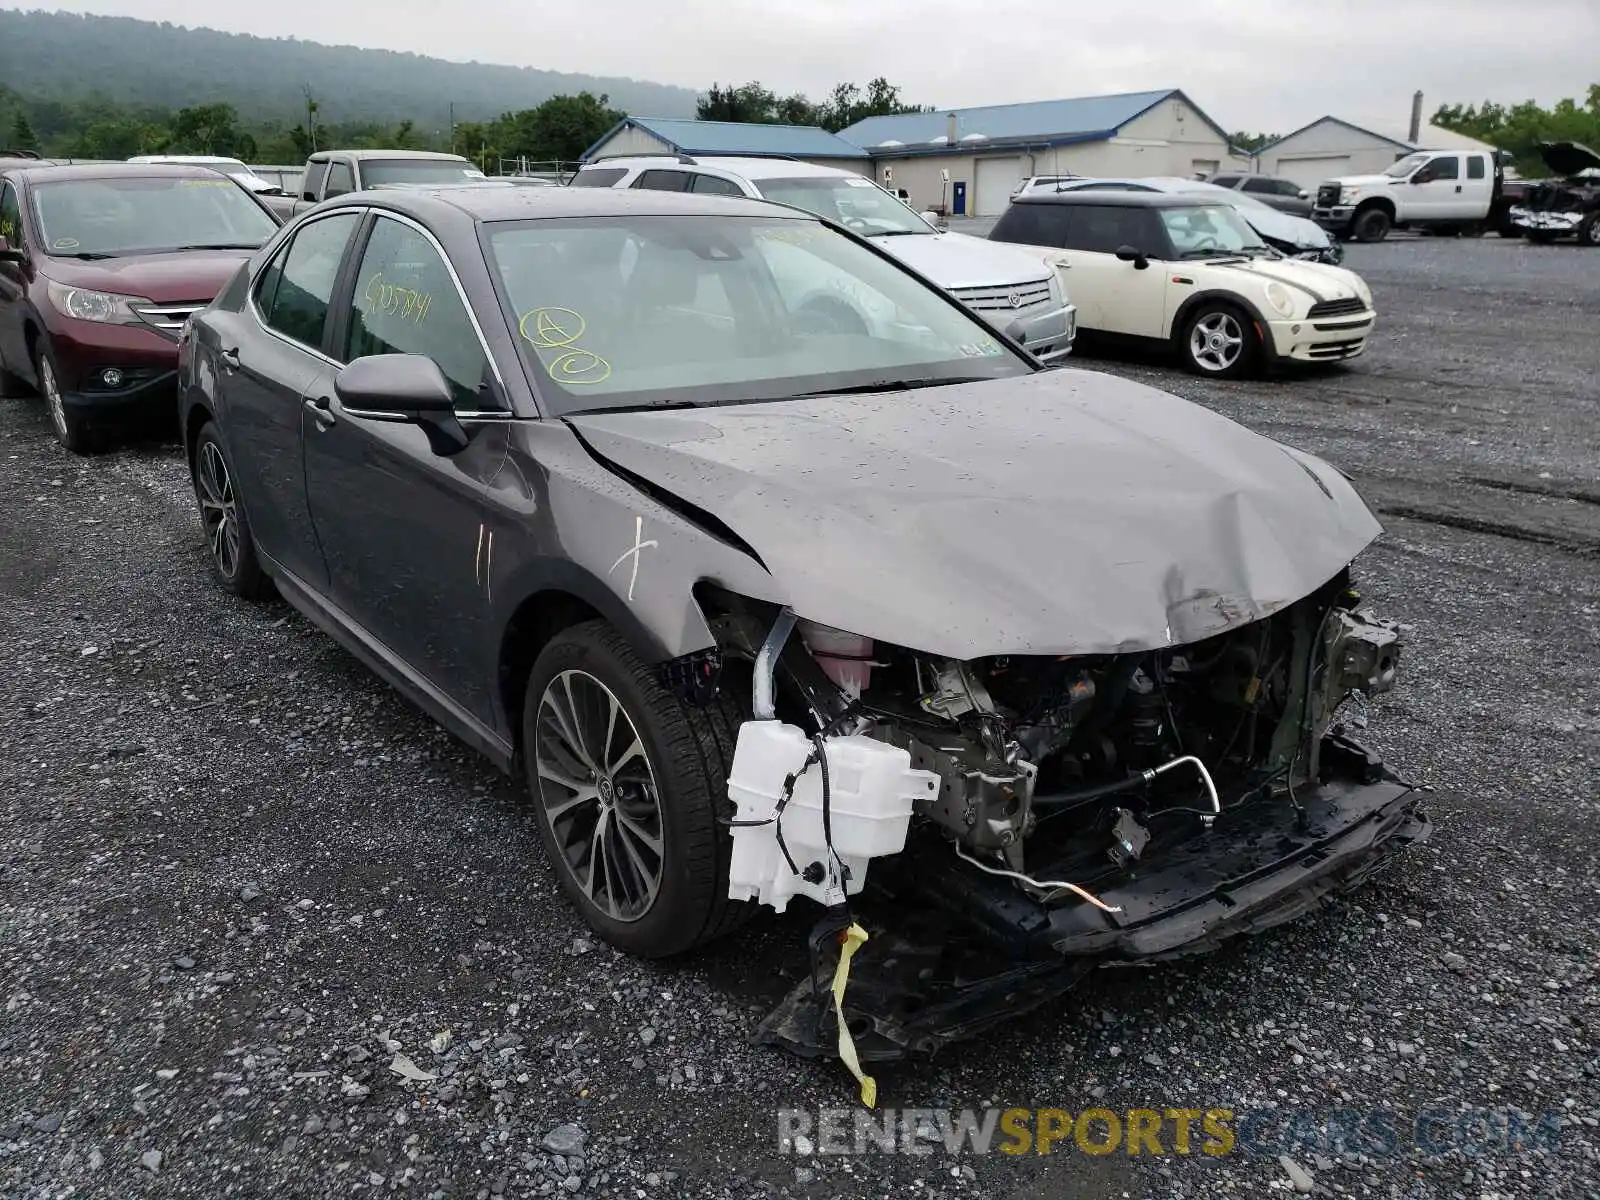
point(785, 580)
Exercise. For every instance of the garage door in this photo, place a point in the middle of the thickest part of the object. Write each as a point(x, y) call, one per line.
point(996, 179)
point(1308, 172)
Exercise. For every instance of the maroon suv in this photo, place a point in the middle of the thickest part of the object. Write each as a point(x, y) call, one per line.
point(100, 266)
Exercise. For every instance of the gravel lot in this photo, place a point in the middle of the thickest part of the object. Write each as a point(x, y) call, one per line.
point(238, 875)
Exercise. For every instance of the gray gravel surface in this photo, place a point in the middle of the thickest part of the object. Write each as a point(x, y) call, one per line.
point(266, 931)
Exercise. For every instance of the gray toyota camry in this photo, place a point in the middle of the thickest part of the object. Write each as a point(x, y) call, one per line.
point(782, 578)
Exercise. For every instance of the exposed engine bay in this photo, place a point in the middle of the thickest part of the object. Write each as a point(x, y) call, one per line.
point(1036, 800)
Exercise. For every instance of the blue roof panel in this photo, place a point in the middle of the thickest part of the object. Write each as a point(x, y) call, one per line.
point(733, 137)
point(1039, 120)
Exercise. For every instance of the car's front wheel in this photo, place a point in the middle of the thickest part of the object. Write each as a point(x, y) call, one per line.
point(230, 547)
point(72, 429)
point(1220, 341)
point(1372, 225)
point(1589, 231)
point(627, 782)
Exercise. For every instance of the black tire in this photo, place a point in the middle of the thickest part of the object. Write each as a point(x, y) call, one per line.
point(230, 547)
point(1371, 225)
point(683, 771)
point(1204, 341)
point(1589, 230)
point(72, 429)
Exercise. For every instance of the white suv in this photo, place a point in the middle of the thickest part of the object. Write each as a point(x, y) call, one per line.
point(1009, 289)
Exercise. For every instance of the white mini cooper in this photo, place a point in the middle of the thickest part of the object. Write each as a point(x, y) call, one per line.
point(1188, 271)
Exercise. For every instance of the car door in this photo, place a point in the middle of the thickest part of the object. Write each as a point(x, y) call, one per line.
point(1115, 296)
point(272, 356)
point(13, 285)
point(1477, 188)
point(403, 528)
point(1435, 190)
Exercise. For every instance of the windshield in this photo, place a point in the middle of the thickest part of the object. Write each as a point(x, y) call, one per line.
point(849, 199)
point(1209, 229)
point(1406, 165)
point(135, 216)
point(688, 310)
point(417, 170)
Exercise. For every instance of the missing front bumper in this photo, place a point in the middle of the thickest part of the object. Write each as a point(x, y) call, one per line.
point(954, 952)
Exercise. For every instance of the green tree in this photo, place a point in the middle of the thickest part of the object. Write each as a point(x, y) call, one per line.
point(1251, 142)
point(849, 104)
point(207, 129)
point(559, 130)
point(22, 135)
point(1519, 127)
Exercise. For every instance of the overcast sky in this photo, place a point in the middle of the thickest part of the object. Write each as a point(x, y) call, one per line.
point(1258, 65)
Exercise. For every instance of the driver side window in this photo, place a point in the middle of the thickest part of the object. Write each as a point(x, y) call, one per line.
point(406, 302)
point(10, 217)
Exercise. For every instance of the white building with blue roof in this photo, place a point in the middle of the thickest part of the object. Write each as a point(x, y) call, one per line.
point(633, 136)
point(988, 151)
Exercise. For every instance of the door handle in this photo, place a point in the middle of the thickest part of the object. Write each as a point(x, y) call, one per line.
point(230, 358)
point(320, 411)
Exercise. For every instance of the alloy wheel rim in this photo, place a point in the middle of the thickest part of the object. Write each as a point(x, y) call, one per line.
point(218, 509)
point(52, 397)
point(1216, 342)
point(597, 792)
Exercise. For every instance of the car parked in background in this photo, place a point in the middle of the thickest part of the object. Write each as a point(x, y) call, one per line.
point(524, 180)
point(231, 167)
point(1187, 271)
point(1036, 183)
point(581, 474)
point(100, 267)
point(1285, 195)
point(1435, 191)
point(331, 173)
point(1290, 235)
point(1567, 205)
point(1006, 289)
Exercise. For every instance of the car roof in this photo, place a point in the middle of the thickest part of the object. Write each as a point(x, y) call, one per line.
point(366, 155)
point(488, 204)
point(1123, 199)
point(747, 166)
point(113, 170)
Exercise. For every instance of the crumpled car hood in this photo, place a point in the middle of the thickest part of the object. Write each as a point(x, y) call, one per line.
point(1569, 159)
point(955, 260)
point(1064, 512)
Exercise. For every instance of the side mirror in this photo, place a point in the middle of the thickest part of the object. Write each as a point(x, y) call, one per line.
point(1422, 177)
point(1134, 255)
point(403, 387)
point(8, 254)
point(1303, 194)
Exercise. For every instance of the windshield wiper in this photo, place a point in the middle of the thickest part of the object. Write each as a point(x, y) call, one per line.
point(899, 232)
point(647, 406)
point(1215, 253)
point(207, 246)
point(84, 255)
point(890, 385)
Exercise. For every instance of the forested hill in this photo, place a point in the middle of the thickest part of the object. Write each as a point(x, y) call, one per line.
point(47, 56)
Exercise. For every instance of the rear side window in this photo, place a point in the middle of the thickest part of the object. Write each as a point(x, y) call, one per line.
point(598, 177)
point(303, 288)
point(10, 217)
point(341, 180)
point(312, 183)
point(1259, 185)
point(664, 181)
point(1475, 167)
point(1103, 228)
point(1229, 181)
point(715, 185)
point(1033, 225)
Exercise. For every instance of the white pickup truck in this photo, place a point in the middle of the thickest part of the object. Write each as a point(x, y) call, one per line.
point(1463, 191)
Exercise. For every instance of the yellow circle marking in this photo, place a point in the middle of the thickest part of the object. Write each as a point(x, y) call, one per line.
point(552, 328)
point(577, 367)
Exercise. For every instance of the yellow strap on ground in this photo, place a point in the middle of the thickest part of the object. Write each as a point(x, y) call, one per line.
point(853, 937)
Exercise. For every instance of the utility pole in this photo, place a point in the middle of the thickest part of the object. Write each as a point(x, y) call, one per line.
point(452, 127)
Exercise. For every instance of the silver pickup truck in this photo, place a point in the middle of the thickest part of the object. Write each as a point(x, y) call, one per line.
point(334, 172)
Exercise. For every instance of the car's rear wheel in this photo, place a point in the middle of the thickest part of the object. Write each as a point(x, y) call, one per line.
point(230, 548)
point(627, 783)
point(1589, 230)
point(1372, 225)
point(73, 430)
point(1219, 341)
